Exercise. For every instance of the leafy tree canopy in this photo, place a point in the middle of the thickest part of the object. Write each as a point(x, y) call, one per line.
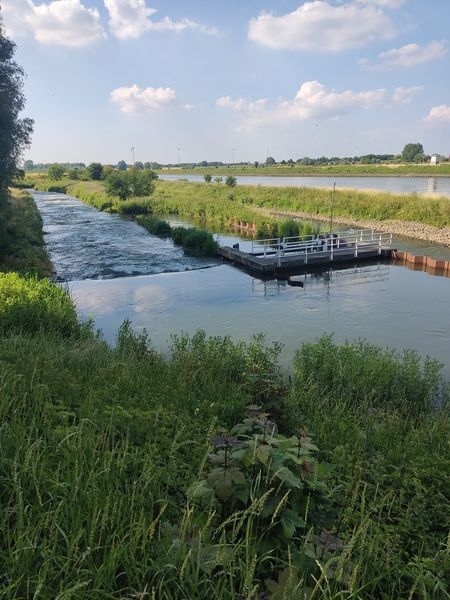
point(129, 184)
point(55, 171)
point(95, 171)
point(412, 152)
point(15, 133)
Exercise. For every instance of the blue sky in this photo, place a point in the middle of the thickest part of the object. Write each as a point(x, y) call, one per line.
point(231, 79)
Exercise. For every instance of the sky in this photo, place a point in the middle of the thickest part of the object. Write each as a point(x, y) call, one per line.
point(231, 80)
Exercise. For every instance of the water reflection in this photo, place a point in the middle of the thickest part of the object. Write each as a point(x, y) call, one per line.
point(432, 185)
point(386, 304)
point(395, 184)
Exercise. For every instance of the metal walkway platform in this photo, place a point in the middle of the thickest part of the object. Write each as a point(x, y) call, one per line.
point(294, 254)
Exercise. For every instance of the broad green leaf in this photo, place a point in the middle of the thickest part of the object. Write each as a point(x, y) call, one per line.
point(289, 478)
point(263, 453)
point(224, 487)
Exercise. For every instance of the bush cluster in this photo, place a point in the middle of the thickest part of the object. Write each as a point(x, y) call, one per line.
point(31, 305)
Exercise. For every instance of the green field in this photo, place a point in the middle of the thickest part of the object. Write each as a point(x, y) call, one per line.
point(207, 472)
point(219, 205)
point(356, 170)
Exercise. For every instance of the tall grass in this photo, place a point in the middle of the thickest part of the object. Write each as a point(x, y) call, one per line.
point(383, 419)
point(100, 446)
point(32, 305)
point(21, 239)
point(210, 203)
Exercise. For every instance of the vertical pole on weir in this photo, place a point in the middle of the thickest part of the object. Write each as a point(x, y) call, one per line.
point(332, 206)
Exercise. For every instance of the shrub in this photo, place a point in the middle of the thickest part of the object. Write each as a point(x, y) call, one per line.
point(289, 228)
point(195, 242)
point(360, 372)
point(30, 305)
point(154, 225)
point(133, 208)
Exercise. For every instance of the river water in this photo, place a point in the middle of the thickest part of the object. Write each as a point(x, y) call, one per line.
point(97, 252)
point(403, 185)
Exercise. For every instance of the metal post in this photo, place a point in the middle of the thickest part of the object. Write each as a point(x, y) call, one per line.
point(332, 206)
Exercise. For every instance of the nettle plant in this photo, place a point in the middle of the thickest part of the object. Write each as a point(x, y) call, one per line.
point(273, 480)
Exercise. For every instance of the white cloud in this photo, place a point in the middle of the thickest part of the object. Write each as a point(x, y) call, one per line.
point(323, 27)
point(241, 104)
point(131, 18)
point(409, 55)
point(403, 95)
point(393, 4)
point(60, 22)
point(312, 101)
point(134, 99)
point(439, 114)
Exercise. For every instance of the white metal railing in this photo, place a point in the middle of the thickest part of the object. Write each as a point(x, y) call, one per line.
point(335, 244)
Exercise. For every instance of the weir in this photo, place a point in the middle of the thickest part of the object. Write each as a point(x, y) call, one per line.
point(281, 255)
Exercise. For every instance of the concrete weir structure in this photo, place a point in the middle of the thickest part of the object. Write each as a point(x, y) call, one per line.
point(432, 266)
point(293, 254)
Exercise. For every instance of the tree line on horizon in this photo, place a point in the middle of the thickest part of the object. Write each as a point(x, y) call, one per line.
point(411, 153)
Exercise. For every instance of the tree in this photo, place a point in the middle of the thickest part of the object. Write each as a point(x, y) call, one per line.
point(15, 133)
point(95, 171)
point(55, 171)
point(270, 160)
point(73, 173)
point(412, 152)
point(207, 178)
point(122, 165)
point(132, 183)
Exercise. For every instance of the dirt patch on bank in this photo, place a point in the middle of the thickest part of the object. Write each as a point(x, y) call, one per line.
point(418, 231)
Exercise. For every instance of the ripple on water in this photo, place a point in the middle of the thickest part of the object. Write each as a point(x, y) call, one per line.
point(87, 244)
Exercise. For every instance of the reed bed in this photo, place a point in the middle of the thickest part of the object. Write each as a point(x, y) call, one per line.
point(106, 452)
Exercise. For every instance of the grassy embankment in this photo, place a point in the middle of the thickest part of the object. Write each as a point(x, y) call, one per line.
point(113, 485)
point(21, 238)
point(358, 170)
point(221, 206)
point(108, 491)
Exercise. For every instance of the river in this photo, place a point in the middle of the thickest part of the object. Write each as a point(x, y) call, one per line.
point(439, 186)
point(97, 252)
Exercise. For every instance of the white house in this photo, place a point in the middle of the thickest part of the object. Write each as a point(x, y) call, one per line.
point(434, 159)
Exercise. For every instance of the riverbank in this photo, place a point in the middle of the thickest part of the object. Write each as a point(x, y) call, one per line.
point(22, 247)
point(192, 473)
point(296, 170)
point(257, 210)
point(417, 231)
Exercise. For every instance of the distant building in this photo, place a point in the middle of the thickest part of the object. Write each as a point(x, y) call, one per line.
point(434, 160)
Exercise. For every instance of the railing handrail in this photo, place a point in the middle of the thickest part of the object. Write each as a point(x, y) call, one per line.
point(334, 243)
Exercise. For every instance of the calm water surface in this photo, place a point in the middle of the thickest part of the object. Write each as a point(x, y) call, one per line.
point(389, 305)
point(403, 185)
